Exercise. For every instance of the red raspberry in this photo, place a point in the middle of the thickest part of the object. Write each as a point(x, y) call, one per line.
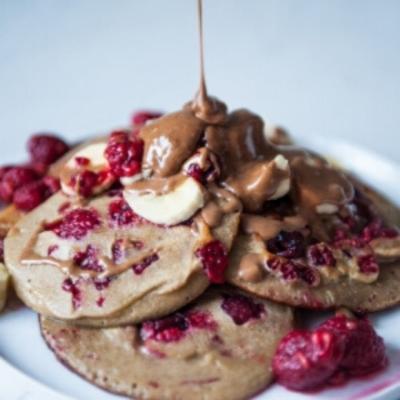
point(76, 224)
point(52, 184)
point(121, 213)
point(13, 179)
point(46, 149)
point(320, 255)
point(364, 349)
point(146, 262)
point(214, 258)
point(123, 154)
point(174, 327)
point(85, 182)
point(306, 360)
point(141, 117)
point(88, 259)
point(73, 288)
point(287, 244)
point(241, 308)
point(29, 196)
point(32, 194)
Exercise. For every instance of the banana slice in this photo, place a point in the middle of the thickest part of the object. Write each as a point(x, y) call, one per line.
point(171, 208)
point(94, 153)
point(86, 172)
point(4, 282)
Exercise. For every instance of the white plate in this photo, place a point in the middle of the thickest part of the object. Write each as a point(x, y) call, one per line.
point(29, 371)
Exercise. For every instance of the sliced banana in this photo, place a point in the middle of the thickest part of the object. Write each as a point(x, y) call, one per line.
point(171, 208)
point(88, 158)
point(94, 153)
point(4, 282)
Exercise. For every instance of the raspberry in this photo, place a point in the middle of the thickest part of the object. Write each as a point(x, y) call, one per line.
point(338, 348)
point(306, 360)
point(364, 349)
point(368, 264)
point(85, 182)
point(76, 224)
point(30, 195)
point(320, 255)
point(146, 262)
point(123, 154)
point(72, 287)
point(46, 149)
point(15, 178)
point(214, 258)
point(168, 329)
point(88, 259)
point(52, 184)
point(174, 327)
point(121, 213)
point(241, 308)
point(141, 117)
point(375, 229)
point(195, 172)
point(82, 161)
point(287, 244)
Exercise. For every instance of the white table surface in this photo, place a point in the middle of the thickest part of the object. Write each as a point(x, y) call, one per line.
point(319, 67)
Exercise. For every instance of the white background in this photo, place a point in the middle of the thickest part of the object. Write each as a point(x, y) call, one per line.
point(318, 67)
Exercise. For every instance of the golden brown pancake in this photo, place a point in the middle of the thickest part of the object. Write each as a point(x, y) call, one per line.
point(198, 353)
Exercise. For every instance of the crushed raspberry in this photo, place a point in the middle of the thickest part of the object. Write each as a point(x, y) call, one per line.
point(292, 271)
point(339, 348)
point(287, 244)
point(88, 259)
point(214, 258)
point(241, 308)
point(82, 161)
point(175, 327)
point(124, 154)
point(306, 360)
point(76, 224)
point(288, 271)
point(364, 349)
point(368, 264)
point(118, 251)
point(376, 230)
point(85, 183)
point(46, 149)
point(168, 329)
point(141, 117)
point(146, 262)
point(64, 207)
point(13, 179)
point(72, 287)
point(195, 172)
point(121, 213)
point(51, 249)
point(309, 275)
point(320, 255)
point(102, 283)
point(201, 320)
point(100, 301)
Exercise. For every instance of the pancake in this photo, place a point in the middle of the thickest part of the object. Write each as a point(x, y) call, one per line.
point(332, 289)
point(79, 279)
point(198, 353)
